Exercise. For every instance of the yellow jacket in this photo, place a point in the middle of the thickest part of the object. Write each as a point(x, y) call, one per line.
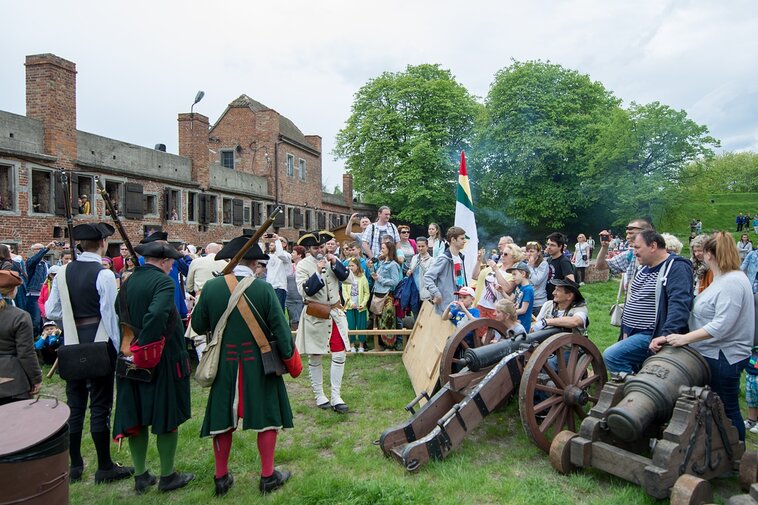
point(363, 292)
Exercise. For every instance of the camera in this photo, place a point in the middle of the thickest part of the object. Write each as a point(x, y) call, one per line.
point(268, 235)
point(60, 244)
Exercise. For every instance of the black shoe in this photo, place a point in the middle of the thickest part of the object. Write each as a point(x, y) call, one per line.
point(75, 473)
point(223, 484)
point(174, 481)
point(118, 472)
point(324, 406)
point(340, 408)
point(274, 481)
point(143, 482)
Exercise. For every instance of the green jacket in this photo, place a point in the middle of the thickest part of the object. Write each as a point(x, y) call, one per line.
point(163, 403)
point(263, 402)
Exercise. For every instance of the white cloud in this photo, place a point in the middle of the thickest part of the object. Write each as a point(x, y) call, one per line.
point(141, 63)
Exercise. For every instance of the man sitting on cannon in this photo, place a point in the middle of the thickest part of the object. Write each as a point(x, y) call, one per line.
point(567, 309)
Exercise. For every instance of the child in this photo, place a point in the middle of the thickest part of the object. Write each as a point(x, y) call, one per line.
point(47, 344)
point(751, 392)
point(505, 312)
point(461, 312)
point(355, 292)
point(524, 294)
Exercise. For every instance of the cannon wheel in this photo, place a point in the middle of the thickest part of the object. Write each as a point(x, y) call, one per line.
point(560, 452)
point(448, 355)
point(691, 490)
point(553, 400)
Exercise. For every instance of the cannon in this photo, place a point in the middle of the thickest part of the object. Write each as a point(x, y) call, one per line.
point(662, 429)
point(558, 377)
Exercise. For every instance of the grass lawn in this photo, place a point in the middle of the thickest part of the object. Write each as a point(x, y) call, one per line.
point(333, 458)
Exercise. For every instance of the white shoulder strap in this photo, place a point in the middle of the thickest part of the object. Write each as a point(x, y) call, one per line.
point(70, 333)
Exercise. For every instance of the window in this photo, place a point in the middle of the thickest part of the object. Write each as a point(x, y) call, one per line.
point(227, 210)
point(114, 190)
point(213, 208)
point(192, 206)
point(207, 209)
point(297, 219)
point(7, 190)
point(150, 204)
point(42, 194)
point(301, 169)
point(237, 218)
point(84, 186)
point(246, 215)
point(308, 220)
point(257, 211)
point(227, 158)
point(279, 219)
point(290, 165)
point(173, 204)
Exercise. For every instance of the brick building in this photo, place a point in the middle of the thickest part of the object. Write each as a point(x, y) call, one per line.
point(226, 178)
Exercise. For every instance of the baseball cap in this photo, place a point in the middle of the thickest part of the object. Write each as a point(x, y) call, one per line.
point(466, 291)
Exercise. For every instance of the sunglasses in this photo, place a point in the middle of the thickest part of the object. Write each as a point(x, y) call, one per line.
point(404, 231)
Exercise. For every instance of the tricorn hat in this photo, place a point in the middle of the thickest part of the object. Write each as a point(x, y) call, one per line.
point(235, 245)
point(9, 279)
point(156, 235)
point(158, 249)
point(93, 231)
point(310, 239)
point(325, 236)
point(571, 286)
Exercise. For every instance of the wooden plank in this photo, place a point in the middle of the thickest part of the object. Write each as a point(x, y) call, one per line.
point(424, 348)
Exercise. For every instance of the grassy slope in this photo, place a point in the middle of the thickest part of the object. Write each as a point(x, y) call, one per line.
point(334, 461)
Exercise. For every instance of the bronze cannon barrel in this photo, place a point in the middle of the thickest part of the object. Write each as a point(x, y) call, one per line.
point(488, 355)
point(650, 395)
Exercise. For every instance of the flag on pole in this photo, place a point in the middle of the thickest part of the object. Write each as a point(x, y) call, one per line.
point(464, 217)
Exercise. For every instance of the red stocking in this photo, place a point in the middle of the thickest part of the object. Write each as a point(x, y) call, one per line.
point(266, 445)
point(222, 446)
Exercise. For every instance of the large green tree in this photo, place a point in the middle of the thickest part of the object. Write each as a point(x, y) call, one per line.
point(541, 121)
point(403, 138)
point(636, 166)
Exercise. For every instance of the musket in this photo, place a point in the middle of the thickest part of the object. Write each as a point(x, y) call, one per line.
point(116, 220)
point(252, 240)
point(67, 205)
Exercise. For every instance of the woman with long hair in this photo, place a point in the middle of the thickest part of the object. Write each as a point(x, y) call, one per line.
point(702, 275)
point(406, 246)
point(744, 246)
point(436, 242)
point(540, 271)
point(18, 361)
point(493, 282)
point(44, 292)
point(388, 274)
point(721, 324)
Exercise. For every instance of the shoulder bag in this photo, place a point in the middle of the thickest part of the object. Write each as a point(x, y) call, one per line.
point(617, 309)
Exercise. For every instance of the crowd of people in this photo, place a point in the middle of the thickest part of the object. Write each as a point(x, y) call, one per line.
point(378, 277)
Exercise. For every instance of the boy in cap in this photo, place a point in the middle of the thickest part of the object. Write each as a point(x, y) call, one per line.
point(242, 392)
point(83, 296)
point(319, 277)
point(524, 293)
point(462, 311)
point(48, 342)
point(145, 302)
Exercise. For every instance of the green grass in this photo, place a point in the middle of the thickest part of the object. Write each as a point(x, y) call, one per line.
point(334, 460)
point(717, 211)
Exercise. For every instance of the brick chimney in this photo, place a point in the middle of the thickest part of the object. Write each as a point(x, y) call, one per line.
point(51, 98)
point(314, 141)
point(347, 189)
point(193, 144)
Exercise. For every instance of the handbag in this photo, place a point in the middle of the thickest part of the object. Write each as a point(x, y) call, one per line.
point(377, 303)
point(319, 310)
point(126, 369)
point(89, 360)
point(617, 309)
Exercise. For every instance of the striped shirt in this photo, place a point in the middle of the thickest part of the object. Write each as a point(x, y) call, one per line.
point(640, 309)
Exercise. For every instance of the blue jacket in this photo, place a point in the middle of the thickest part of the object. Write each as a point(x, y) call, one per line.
point(750, 266)
point(674, 294)
point(36, 270)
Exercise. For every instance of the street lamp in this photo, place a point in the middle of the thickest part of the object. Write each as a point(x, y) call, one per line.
point(198, 97)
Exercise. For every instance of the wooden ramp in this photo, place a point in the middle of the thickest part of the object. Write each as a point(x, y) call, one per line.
point(423, 352)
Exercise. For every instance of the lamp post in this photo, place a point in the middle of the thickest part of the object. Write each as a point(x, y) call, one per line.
point(198, 97)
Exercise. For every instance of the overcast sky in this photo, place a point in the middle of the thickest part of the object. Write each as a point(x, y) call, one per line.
point(140, 63)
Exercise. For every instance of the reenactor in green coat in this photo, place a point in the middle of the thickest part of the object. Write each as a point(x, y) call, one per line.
point(242, 394)
point(164, 402)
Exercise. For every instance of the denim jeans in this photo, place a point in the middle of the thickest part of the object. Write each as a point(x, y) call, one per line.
point(281, 295)
point(725, 382)
point(627, 355)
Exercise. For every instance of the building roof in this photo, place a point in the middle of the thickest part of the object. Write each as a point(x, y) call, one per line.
point(286, 126)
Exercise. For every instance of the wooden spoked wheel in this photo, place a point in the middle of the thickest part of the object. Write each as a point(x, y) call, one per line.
point(561, 382)
point(448, 359)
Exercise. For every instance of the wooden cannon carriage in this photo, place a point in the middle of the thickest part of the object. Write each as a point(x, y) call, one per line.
point(661, 428)
point(558, 377)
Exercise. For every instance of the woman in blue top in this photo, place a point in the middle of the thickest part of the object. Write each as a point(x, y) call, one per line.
point(388, 274)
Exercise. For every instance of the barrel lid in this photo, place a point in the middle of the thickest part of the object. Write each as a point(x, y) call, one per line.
point(26, 423)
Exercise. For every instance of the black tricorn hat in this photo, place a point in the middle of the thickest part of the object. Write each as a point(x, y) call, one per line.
point(325, 236)
point(310, 239)
point(235, 245)
point(156, 235)
point(571, 286)
point(93, 231)
point(158, 249)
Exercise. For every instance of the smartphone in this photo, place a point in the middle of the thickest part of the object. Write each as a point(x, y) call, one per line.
point(605, 238)
point(268, 235)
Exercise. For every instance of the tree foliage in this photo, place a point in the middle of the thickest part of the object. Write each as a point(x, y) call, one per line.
point(403, 138)
point(541, 120)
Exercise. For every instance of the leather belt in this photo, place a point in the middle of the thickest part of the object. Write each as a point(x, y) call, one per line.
point(83, 321)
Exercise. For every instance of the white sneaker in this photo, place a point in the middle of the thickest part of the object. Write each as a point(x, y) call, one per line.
point(750, 424)
point(352, 349)
point(361, 349)
point(754, 428)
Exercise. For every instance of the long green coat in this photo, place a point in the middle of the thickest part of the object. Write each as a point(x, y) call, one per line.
point(265, 404)
point(163, 403)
